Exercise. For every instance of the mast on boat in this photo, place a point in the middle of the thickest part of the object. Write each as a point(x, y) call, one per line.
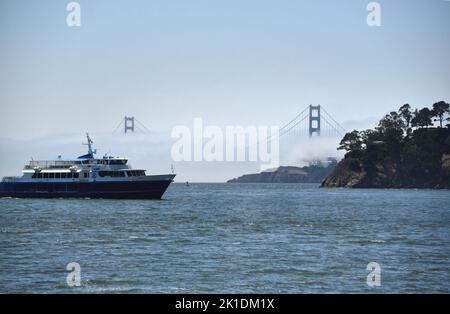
point(89, 143)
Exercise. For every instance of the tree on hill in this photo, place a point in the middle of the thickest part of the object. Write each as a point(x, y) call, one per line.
point(391, 128)
point(440, 109)
point(393, 131)
point(406, 114)
point(351, 141)
point(422, 118)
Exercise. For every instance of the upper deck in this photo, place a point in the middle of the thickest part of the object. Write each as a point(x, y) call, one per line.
point(81, 162)
point(66, 164)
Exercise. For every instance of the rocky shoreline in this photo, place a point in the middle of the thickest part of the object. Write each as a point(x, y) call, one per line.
point(350, 173)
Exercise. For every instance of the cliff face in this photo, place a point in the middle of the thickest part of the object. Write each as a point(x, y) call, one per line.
point(423, 161)
point(348, 173)
point(445, 163)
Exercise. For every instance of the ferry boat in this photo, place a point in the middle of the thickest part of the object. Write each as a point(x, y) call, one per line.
point(85, 177)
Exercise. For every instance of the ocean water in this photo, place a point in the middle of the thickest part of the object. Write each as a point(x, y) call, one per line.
point(230, 238)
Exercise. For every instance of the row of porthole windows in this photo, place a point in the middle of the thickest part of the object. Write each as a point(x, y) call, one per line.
point(76, 175)
point(57, 175)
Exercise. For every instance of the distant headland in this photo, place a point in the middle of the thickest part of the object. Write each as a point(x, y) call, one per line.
point(405, 150)
point(314, 173)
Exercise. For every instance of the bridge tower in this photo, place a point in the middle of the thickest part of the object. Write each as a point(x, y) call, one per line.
point(314, 120)
point(129, 124)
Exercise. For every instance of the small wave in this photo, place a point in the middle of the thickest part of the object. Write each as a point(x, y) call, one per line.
point(369, 241)
point(398, 238)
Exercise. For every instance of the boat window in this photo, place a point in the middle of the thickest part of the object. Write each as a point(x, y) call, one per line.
point(135, 173)
point(76, 175)
point(118, 162)
point(111, 174)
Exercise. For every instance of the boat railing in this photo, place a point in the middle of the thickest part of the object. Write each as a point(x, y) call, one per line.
point(53, 164)
point(49, 164)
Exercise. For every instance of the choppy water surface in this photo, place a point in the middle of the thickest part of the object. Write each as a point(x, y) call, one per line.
point(286, 238)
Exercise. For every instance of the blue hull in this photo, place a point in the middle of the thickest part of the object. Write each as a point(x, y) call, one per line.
point(112, 189)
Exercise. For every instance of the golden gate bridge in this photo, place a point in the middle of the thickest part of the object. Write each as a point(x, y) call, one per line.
point(313, 120)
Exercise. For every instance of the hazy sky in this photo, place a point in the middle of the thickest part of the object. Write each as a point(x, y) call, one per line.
point(229, 62)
